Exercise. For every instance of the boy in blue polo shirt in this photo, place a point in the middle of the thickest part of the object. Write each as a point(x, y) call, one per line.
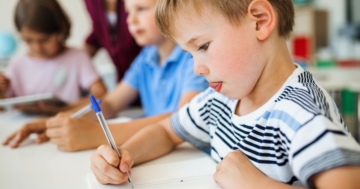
point(267, 121)
point(162, 74)
point(161, 87)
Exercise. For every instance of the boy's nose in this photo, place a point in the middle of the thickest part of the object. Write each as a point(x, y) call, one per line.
point(200, 69)
point(130, 19)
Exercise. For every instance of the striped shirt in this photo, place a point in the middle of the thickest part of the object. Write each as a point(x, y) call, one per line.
point(296, 134)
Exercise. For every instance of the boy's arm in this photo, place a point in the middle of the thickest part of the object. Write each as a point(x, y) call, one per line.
point(341, 177)
point(152, 142)
point(80, 134)
point(97, 89)
point(112, 102)
point(118, 99)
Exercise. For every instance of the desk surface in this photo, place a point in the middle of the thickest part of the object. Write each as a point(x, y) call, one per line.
point(44, 166)
point(39, 166)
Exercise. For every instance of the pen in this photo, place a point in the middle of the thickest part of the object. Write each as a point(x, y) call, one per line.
point(83, 110)
point(106, 130)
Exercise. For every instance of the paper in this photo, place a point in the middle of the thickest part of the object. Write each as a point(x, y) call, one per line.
point(186, 167)
point(30, 99)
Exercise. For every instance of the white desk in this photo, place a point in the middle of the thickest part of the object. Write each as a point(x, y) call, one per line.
point(42, 166)
point(39, 166)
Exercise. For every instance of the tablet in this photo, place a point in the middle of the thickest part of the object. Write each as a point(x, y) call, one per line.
point(48, 98)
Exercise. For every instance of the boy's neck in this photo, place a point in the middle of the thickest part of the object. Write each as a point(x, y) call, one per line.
point(278, 68)
point(111, 5)
point(164, 49)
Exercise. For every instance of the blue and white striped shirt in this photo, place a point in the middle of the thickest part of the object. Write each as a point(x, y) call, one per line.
point(296, 134)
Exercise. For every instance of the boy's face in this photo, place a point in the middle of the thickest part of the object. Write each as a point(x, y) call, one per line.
point(40, 45)
point(227, 55)
point(141, 22)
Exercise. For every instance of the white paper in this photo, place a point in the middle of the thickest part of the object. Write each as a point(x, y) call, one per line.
point(186, 167)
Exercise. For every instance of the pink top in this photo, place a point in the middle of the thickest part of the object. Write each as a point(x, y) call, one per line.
point(65, 76)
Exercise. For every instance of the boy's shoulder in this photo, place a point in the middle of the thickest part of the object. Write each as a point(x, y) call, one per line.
point(301, 89)
point(302, 99)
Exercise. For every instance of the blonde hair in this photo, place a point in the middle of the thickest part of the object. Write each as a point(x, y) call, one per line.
point(233, 10)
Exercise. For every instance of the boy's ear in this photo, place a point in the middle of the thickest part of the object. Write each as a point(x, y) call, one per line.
point(263, 14)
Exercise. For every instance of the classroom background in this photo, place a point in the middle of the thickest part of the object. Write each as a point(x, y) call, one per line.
point(326, 41)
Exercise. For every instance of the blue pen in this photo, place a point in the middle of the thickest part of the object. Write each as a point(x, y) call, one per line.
point(83, 110)
point(106, 130)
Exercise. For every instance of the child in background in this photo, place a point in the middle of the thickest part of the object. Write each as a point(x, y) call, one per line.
point(48, 66)
point(268, 123)
point(110, 32)
point(162, 74)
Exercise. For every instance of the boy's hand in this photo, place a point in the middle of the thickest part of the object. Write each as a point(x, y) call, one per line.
point(108, 168)
point(236, 170)
point(23, 133)
point(73, 134)
point(4, 85)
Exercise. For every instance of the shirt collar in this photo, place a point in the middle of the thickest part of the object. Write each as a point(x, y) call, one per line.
point(152, 57)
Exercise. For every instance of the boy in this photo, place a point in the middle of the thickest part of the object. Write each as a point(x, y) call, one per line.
point(272, 126)
point(161, 74)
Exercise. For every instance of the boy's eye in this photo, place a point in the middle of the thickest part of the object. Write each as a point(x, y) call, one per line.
point(141, 8)
point(204, 47)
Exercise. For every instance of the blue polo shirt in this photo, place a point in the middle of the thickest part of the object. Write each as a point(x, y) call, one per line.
point(161, 87)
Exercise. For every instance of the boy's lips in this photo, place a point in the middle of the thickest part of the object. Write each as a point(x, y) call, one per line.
point(138, 32)
point(216, 86)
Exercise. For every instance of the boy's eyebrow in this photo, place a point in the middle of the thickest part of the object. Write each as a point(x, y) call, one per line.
point(192, 40)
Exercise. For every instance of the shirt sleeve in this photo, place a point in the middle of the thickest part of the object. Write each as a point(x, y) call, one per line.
point(191, 122)
point(193, 82)
point(88, 75)
point(134, 73)
point(319, 145)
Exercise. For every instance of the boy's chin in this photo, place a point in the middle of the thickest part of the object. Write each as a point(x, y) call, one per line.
point(231, 95)
point(142, 42)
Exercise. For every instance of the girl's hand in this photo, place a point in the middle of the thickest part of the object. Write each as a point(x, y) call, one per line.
point(19, 136)
point(4, 85)
point(108, 168)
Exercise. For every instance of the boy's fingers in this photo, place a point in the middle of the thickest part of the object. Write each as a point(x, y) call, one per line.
point(57, 141)
point(107, 169)
point(102, 178)
point(57, 120)
point(109, 155)
point(54, 132)
point(126, 162)
point(41, 138)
